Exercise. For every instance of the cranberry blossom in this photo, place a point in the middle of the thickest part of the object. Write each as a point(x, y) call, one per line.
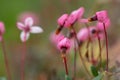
point(27, 28)
point(2, 30)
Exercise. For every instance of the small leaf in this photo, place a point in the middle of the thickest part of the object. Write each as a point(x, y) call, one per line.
point(94, 71)
point(67, 77)
point(99, 77)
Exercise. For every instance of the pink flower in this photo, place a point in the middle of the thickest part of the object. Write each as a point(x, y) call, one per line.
point(62, 19)
point(102, 16)
point(100, 25)
point(2, 30)
point(92, 33)
point(64, 45)
point(28, 28)
point(27, 14)
point(74, 16)
point(56, 38)
point(95, 33)
point(83, 34)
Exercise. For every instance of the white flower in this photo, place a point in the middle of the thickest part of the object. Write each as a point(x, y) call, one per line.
point(28, 28)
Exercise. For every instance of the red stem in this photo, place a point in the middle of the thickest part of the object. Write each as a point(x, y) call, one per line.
point(106, 40)
point(23, 61)
point(65, 63)
point(6, 60)
point(82, 60)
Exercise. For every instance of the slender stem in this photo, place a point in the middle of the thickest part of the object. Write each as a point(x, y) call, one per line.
point(106, 40)
point(100, 50)
point(6, 60)
point(82, 60)
point(65, 63)
point(23, 61)
point(92, 54)
point(87, 50)
point(75, 55)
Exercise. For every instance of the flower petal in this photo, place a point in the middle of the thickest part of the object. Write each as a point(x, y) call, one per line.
point(24, 36)
point(28, 21)
point(36, 29)
point(20, 26)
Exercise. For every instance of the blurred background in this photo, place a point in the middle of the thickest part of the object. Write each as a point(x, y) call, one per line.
point(43, 61)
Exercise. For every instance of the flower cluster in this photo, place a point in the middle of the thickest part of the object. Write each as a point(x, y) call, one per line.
point(86, 34)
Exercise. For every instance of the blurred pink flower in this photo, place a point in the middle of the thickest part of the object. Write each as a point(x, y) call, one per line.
point(2, 30)
point(100, 25)
point(64, 45)
point(83, 34)
point(56, 38)
point(92, 33)
point(62, 19)
point(28, 28)
point(95, 33)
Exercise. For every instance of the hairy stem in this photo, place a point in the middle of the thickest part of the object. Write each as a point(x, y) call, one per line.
point(6, 60)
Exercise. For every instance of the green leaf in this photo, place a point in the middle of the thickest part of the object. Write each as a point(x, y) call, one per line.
point(94, 71)
point(67, 77)
point(99, 77)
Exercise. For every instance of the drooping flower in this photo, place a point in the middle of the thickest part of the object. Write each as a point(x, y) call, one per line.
point(89, 33)
point(62, 19)
point(74, 16)
point(100, 16)
point(83, 34)
point(2, 30)
point(27, 28)
point(61, 22)
point(64, 45)
point(100, 25)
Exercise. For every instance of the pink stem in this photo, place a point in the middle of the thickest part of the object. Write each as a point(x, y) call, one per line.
point(6, 60)
point(106, 40)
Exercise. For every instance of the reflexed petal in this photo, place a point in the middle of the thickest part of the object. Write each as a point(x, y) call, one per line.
point(28, 21)
point(36, 29)
point(24, 36)
point(20, 26)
